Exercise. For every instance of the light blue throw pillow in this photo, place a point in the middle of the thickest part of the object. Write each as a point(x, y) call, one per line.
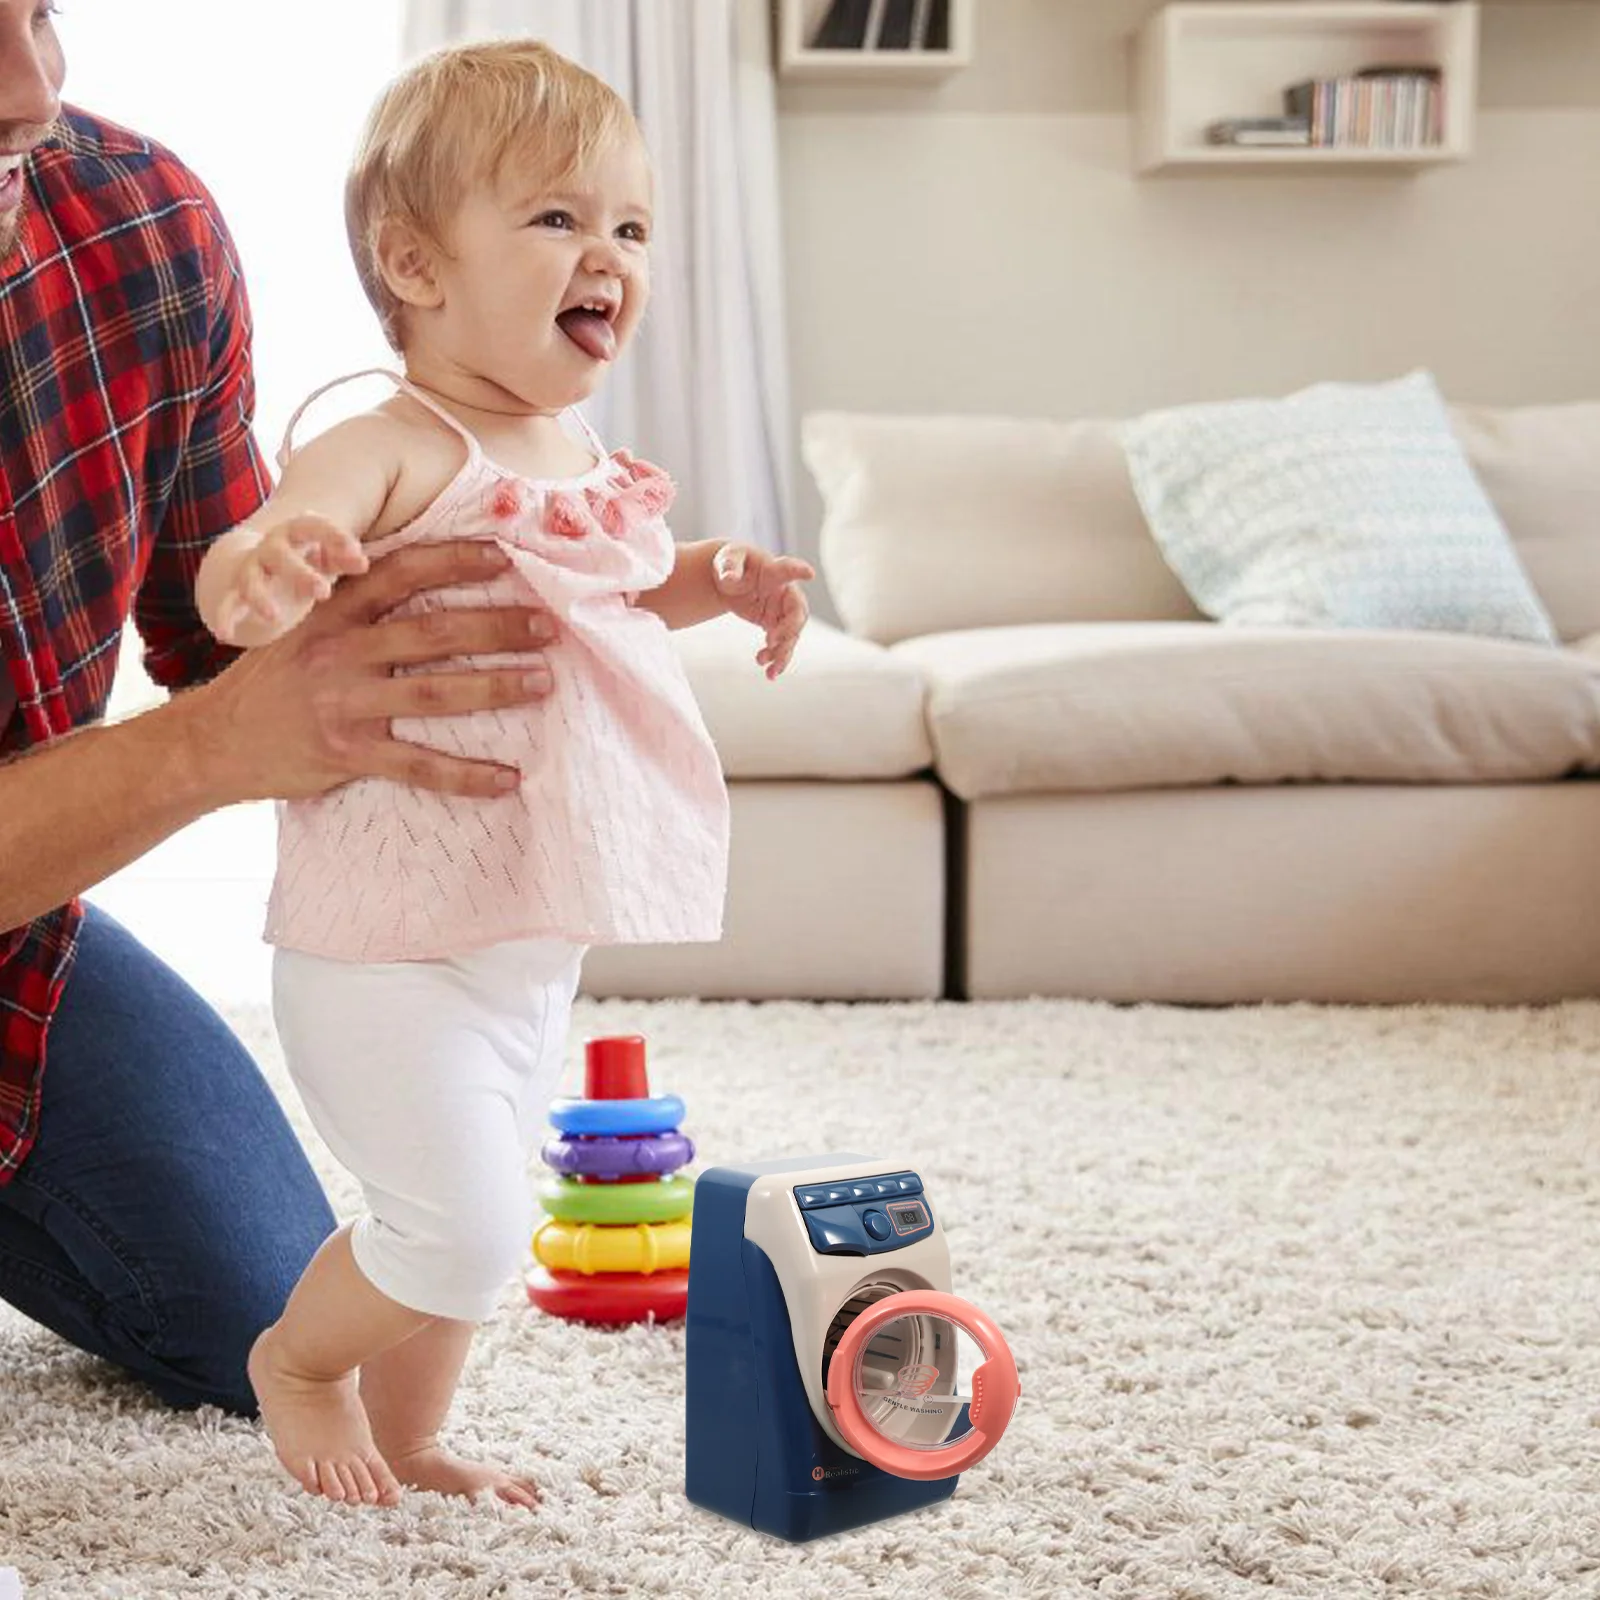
point(1343, 506)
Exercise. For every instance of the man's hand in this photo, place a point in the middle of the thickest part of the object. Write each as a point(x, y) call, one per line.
point(765, 589)
point(311, 710)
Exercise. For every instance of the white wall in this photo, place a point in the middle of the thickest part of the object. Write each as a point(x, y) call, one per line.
point(985, 245)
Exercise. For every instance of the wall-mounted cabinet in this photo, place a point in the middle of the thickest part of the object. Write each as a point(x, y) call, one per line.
point(865, 40)
point(1382, 84)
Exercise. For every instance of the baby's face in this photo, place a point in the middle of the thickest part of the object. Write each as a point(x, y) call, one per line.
point(546, 282)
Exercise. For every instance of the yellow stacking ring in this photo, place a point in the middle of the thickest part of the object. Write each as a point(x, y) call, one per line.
point(589, 1248)
point(612, 1203)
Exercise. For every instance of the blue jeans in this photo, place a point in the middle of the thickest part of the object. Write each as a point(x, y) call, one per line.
point(166, 1209)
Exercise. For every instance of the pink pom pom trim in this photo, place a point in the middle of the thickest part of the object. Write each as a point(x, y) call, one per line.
point(565, 517)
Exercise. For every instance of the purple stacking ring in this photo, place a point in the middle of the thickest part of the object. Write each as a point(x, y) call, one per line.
point(609, 1156)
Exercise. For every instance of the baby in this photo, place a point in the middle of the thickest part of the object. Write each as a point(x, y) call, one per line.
point(429, 945)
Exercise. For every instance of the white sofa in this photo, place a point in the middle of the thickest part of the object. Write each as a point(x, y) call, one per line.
point(1029, 767)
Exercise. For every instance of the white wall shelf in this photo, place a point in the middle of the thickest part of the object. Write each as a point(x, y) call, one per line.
point(1196, 63)
point(799, 20)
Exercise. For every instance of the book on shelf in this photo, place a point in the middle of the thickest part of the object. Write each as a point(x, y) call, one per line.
point(898, 26)
point(1259, 132)
point(884, 25)
point(843, 26)
point(1378, 108)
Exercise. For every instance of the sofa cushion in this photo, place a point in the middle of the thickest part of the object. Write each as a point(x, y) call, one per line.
point(845, 708)
point(1346, 505)
point(933, 523)
point(1541, 467)
point(1144, 705)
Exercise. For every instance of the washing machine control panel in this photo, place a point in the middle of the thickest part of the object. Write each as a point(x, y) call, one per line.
point(863, 1216)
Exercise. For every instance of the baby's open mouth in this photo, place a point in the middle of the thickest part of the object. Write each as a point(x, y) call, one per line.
point(588, 325)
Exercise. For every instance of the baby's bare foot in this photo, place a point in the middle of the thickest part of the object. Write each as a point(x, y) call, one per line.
point(433, 1467)
point(319, 1429)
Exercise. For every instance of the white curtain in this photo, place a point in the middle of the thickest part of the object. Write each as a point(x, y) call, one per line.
point(704, 391)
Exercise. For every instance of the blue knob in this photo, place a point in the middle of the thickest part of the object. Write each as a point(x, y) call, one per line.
point(877, 1224)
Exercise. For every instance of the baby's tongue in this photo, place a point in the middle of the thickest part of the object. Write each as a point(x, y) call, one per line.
point(590, 332)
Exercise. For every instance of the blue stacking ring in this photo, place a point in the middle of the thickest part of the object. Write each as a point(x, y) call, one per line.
point(661, 1113)
point(604, 1157)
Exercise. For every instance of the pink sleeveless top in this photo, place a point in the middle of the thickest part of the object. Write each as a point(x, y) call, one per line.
point(618, 833)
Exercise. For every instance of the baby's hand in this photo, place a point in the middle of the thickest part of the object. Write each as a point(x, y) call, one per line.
point(765, 589)
point(292, 567)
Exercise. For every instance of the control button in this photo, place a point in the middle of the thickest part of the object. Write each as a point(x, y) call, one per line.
point(888, 1187)
point(836, 1194)
point(909, 1183)
point(864, 1191)
point(811, 1197)
point(836, 1233)
point(877, 1224)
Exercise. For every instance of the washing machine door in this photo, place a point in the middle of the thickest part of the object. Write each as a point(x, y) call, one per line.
point(922, 1384)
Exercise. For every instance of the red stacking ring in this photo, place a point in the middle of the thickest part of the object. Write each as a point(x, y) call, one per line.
point(611, 1296)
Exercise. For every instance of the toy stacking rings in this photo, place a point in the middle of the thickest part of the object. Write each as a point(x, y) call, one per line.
point(608, 1156)
point(587, 1248)
point(662, 1200)
point(617, 1246)
point(658, 1114)
point(611, 1296)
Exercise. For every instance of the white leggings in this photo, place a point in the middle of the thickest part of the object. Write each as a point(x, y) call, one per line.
point(430, 1081)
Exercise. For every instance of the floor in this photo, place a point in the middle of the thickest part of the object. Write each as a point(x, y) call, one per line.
point(1303, 1301)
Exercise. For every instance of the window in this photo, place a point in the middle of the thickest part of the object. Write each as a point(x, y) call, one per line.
point(266, 108)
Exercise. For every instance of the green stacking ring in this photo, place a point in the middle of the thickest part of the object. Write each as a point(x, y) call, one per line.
point(665, 1200)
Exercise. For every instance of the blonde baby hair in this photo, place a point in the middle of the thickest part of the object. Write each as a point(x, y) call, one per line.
point(450, 121)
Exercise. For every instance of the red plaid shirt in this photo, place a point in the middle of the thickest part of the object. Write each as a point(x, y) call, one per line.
point(125, 447)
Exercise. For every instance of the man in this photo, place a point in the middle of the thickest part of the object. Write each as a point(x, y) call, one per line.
point(154, 1206)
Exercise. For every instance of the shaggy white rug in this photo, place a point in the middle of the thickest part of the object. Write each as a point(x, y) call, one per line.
point(1305, 1300)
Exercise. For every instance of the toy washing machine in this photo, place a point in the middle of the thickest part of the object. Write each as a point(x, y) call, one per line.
point(833, 1379)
